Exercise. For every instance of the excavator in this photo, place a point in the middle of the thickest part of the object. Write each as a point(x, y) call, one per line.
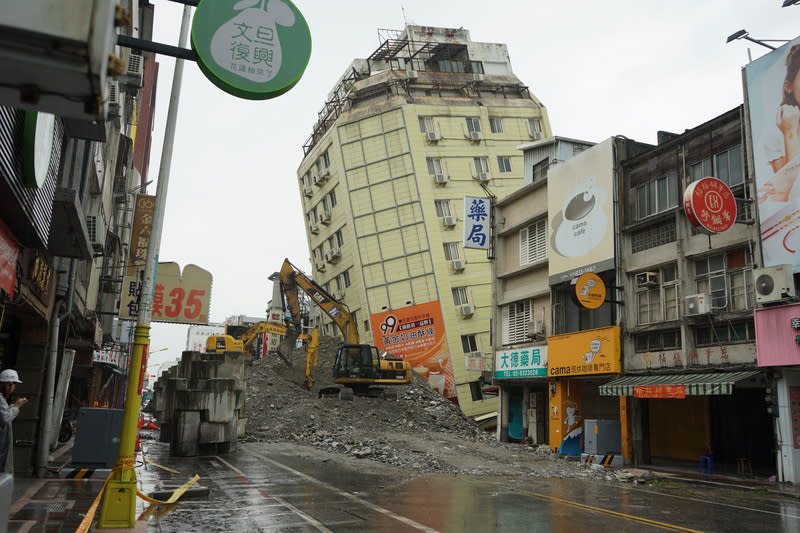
point(358, 367)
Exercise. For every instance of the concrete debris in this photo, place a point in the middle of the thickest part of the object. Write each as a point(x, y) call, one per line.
point(420, 431)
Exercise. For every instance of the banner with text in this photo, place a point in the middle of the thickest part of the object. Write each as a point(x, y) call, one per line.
point(528, 362)
point(477, 223)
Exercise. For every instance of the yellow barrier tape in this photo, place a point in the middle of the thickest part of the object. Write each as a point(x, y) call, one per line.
point(175, 495)
point(89, 517)
point(162, 467)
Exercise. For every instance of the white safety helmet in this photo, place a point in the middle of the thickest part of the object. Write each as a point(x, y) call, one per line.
point(9, 376)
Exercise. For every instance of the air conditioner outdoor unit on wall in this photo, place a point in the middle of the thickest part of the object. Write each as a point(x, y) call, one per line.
point(433, 136)
point(314, 228)
point(449, 221)
point(535, 327)
point(325, 217)
point(308, 191)
point(320, 266)
point(475, 136)
point(483, 177)
point(459, 264)
point(647, 279)
point(441, 178)
point(467, 310)
point(697, 304)
point(412, 74)
point(774, 284)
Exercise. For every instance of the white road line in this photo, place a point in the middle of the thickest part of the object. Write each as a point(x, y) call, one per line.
point(308, 518)
point(351, 497)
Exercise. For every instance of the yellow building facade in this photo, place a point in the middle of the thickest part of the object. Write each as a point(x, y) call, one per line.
point(428, 119)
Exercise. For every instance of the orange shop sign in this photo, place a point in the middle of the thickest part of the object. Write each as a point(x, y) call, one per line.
point(595, 351)
point(659, 391)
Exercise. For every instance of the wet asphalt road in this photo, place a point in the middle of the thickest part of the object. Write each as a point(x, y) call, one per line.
point(273, 488)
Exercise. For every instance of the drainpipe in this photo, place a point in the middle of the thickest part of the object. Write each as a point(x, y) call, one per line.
point(61, 311)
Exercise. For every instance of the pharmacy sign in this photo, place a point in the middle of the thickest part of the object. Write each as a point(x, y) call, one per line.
point(254, 49)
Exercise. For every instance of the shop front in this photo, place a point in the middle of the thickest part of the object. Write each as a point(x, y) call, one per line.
point(578, 364)
point(521, 374)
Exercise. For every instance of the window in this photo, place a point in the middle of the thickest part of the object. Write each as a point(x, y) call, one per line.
point(535, 127)
point(496, 125)
point(442, 208)
point(515, 318)
point(657, 196)
point(657, 341)
point(338, 238)
point(728, 278)
point(540, 169)
point(452, 251)
point(332, 198)
point(434, 166)
point(726, 166)
point(473, 125)
point(725, 333)
point(426, 124)
point(344, 279)
point(469, 343)
point(657, 298)
point(460, 296)
point(533, 243)
point(504, 162)
point(326, 204)
point(481, 164)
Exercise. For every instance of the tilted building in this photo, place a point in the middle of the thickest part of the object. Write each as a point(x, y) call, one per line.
point(428, 118)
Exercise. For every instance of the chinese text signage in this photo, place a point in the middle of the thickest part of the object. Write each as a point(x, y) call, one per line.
point(254, 49)
point(521, 363)
point(594, 351)
point(659, 391)
point(476, 223)
point(9, 252)
point(710, 205)
point(179, 299)
point(416, 333)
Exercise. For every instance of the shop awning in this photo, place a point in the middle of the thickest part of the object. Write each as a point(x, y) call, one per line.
point(696, 384)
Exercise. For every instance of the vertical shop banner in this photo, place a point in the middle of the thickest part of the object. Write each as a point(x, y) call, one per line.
point(771, 83)
point(9, 253)
point(521, 363)
point(581, 214)
point(477, 223)
point(417, 334)
point(180, 299)
point(140, 232)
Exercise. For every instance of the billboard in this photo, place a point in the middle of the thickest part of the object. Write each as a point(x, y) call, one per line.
point(772, 87)
point(416, 333)
point(581, 221)
point(521, 363)
point(198, 334)
point(181, 299)
point(595, 351)
point(477, 213)
point(777, 329)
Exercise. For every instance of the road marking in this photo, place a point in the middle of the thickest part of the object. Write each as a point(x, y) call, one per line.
point(641, 520)
point(308, 518)
point(347, 495)
point(714, 502)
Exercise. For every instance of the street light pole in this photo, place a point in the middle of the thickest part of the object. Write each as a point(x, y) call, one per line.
point(119, 500)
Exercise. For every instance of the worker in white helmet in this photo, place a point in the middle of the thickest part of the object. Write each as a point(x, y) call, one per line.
point(8, 382)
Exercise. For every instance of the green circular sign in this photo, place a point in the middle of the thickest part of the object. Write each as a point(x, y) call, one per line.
point(255, 49)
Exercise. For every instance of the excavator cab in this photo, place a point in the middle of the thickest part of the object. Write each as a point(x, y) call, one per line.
point(360, 365)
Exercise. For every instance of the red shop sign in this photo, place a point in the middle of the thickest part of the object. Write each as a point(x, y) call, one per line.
point(659, 391)
point(710, 205)
point(9, 253)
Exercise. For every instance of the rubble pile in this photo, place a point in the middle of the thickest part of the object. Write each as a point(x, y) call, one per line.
point(415, 428)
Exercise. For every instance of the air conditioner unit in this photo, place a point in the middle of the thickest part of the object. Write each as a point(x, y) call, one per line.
point(324, 173)
point(475, 136)
point(483, 177)
point(441, 178)
point(325, 217)
point(478, 77)
point(338, 295)
point(774, 284)
point(459, 264)
point(308, 191)
point(647, 279)
point(134, 74)
point(332, 255)
point(477, 353)
point(433, 136)
point(467, 310)
point(535, 327)
point(320, 266)
point(316, 180)
point(412, 74)
point(449, 221)
point(314, 229)
point(94, 233)
point(114, 97)
point(697, 304)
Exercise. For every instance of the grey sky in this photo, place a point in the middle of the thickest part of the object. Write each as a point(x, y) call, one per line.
point(602, 68)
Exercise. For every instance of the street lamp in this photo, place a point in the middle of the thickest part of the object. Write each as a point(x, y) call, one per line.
point(743, 34)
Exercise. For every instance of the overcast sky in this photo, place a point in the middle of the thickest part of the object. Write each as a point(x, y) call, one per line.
point(602, 68)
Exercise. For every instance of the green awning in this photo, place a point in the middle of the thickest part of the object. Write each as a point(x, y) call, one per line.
point(696, 384)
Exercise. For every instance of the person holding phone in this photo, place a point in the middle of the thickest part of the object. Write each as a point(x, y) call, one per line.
point(8, 412)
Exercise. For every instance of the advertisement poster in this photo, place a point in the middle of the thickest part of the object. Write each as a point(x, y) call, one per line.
point(417, 334)
point(595, 351)
point(581, 217)
point(773, 88)
point(180, 299)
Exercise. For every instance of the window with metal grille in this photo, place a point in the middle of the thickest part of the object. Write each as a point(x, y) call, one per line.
point(515, 318)
point(657, 299)
point(442, 208)
point(91, 225)
point(533, 243)
point(460, 296)
point(452, 251)
point(725, 333)
point(728, 278)
point(657, 341)
point(656, 235)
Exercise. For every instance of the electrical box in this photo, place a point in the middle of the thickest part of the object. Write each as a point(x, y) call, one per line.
point(601, 437)
point(97, 438)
